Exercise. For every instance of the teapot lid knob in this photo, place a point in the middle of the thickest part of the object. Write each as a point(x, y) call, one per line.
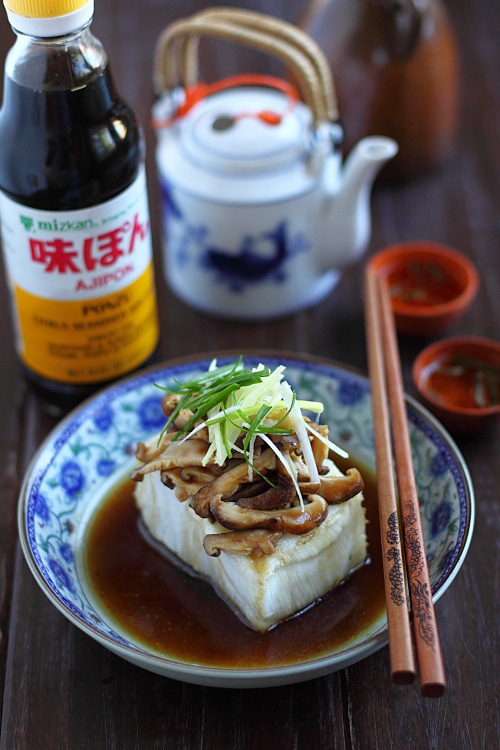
point(246, 129)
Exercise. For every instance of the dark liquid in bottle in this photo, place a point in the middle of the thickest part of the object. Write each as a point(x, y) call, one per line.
point(66, 149)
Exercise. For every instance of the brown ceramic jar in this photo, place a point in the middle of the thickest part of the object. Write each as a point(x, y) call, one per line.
point(395, 68)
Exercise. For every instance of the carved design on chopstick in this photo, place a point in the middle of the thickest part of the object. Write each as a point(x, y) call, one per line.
point(422, 613)
point(419, 590)
point(414, 550)
point(393, 554)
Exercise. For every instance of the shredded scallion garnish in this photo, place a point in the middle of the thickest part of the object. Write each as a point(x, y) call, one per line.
point(237, 405)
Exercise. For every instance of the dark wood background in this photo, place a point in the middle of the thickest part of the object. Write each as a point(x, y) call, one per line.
point(62, 690)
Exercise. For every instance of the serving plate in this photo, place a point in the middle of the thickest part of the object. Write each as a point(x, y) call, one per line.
point(92, 450)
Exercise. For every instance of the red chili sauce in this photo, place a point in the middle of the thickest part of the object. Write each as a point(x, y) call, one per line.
point(422, 284)
point(182, 617)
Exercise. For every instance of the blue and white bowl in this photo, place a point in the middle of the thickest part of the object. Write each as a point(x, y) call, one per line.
point(92, 450)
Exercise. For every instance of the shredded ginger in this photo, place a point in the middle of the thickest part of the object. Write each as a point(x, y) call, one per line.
point(253, 403)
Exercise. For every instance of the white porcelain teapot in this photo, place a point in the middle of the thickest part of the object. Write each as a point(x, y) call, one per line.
point(259, 214)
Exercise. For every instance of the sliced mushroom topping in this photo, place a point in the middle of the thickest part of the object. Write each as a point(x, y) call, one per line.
point(338, 490)
point(300, 466)
point(249, 490)
point(286, 442)
point(185, 453)
point(279, 496)
point(176, 454)
point(320, 448)
point(201, 474)
point(169, 402)
point(148, 452)
point(293, 520)
point(182, 418)
point(170, 477)
point(187, 481)
point(251, 542)
point(335, 489)
point(229, 482)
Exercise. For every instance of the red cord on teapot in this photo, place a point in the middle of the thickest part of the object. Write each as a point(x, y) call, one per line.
point(198, 92)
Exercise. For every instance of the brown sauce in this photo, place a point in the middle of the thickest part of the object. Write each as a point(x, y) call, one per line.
point(422, 284)
point(465, 382)
point(181, 617)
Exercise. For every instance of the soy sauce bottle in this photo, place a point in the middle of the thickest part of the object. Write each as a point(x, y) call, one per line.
point(73, 207)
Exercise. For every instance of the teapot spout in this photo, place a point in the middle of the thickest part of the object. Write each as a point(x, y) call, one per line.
point(349, 211)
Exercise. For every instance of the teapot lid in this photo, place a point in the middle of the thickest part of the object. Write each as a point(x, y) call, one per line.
point(246, 130)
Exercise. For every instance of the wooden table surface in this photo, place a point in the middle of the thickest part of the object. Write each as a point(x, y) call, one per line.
point(60, 689)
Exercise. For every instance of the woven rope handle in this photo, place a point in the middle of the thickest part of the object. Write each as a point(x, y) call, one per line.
point(176, 53)
point(287, 33)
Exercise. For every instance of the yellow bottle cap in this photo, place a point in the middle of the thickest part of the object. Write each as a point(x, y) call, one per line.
point(44, 8)
point(48, 17)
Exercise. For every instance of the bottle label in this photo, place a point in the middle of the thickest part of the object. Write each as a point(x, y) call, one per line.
point(82, 286)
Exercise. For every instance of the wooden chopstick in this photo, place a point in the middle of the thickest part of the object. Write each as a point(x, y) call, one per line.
point(398, 621)
point(388, 398)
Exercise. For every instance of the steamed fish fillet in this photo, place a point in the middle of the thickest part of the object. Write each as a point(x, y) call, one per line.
point(268, 589)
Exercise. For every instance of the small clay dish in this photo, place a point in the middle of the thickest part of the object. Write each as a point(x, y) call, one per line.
point(459, 380)
point(431, 285)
